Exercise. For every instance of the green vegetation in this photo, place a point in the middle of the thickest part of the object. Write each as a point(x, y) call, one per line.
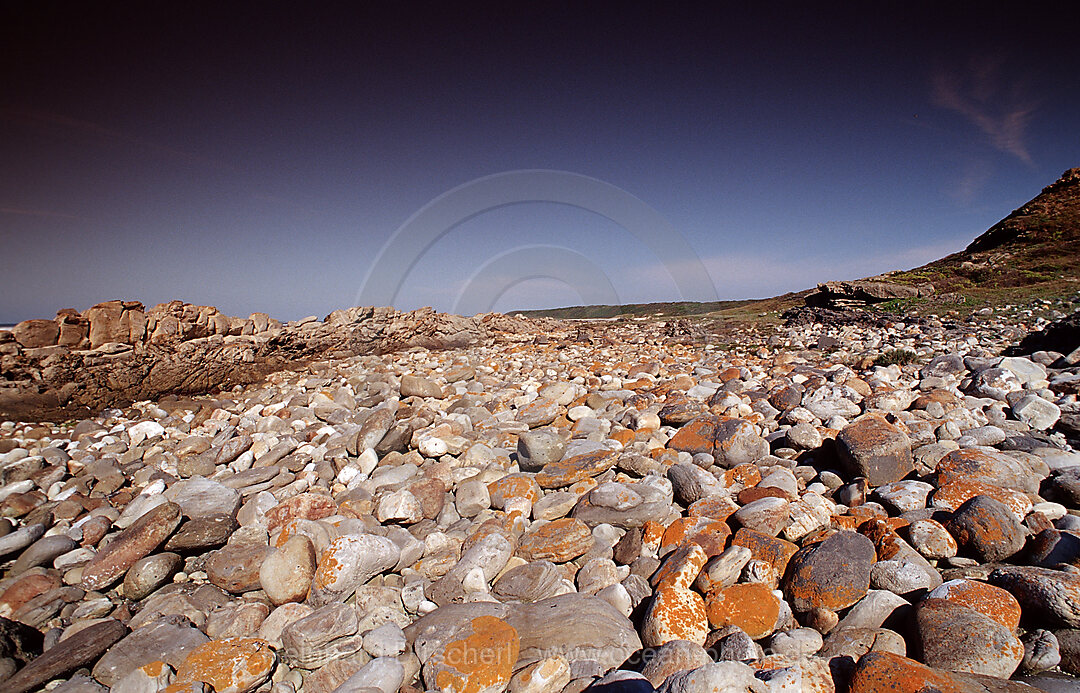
point(900, 357)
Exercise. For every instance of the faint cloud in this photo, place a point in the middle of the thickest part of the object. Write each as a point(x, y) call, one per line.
point(973, 178)
point(18, 211)
point(62, 123)
point(992, 102)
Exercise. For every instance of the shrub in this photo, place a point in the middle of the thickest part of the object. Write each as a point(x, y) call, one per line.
point(898, 356)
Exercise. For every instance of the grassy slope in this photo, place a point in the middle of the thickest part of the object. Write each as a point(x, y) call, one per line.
point(1032, 253)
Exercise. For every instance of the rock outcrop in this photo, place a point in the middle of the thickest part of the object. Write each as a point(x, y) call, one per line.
point(117, 352)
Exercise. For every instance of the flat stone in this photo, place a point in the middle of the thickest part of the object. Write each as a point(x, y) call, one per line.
point(167, 639)
point(417, 386)
point(200, 498)
point(558, 541)
point(233, 665)
point(78, 650)
point(577, 627)
point(202, 533)
point(43, 552)
point(577, 468)
point(140, 539)
point(329, 633)
point(235, 567)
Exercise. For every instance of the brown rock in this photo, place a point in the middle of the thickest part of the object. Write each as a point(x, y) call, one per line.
point(873, 448)
point(80, 649)
point(235, 568)
point(577, 468)
point(140, 539)
point(832, 574)
point(987, 529)
point(34, 334)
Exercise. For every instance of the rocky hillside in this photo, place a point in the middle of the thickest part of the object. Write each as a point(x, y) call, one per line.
point(1034, 252)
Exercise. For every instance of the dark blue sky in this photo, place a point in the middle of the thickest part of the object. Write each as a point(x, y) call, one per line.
point(258, 156)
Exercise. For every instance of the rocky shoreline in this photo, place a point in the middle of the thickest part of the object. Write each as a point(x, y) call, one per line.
point(118, 352)
point(385, 501)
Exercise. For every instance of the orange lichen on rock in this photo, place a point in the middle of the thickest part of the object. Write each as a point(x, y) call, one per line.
point(675, 614)
point(750, 606)
point(308, 506)
point(746, 475)
point(233, 665)
point(517, 485)
point(885, 672)
point(951, 496)
point(652, 533)
point(681, 567)
point(480, 661)
point(990, 601)
point(772, 550)
point(558, 541)
point(717, 506)
point(577, 468)
point(710, 534)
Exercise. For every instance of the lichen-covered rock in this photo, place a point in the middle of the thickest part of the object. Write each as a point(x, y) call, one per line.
point(833, 574)
point(478, 658)
point(987, 529)
point(753, 607)
point(557, 541)
point(1052, 594)
point(954, 637)
point(675, 613)
point(875, 449)
point(348, 562)
point(233, 665)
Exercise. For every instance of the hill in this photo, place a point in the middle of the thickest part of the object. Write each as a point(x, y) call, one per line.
point(1032, 253)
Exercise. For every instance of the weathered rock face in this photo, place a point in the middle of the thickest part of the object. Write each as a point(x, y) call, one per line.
point(117, 352)
point(864, 292)
point(548, 511)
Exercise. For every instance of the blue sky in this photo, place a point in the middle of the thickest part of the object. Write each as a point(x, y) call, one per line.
point(256, 157)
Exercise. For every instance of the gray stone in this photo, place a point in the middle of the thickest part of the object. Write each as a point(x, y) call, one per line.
point(538, 447)
point(43, 552)
point(329, 633)
point(168, 639)
point(201, 498)
point(384, 674)
point(149, 573)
